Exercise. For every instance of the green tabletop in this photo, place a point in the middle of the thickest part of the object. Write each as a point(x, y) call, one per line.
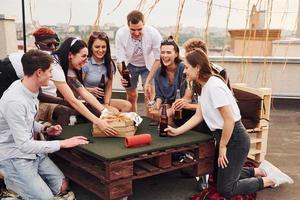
point(108, 148)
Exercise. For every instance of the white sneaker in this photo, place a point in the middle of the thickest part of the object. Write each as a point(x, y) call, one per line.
point(275, 174)
point(66, 196)
point(266, 167)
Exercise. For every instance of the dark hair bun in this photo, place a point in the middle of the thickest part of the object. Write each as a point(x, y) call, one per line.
point(170, 37)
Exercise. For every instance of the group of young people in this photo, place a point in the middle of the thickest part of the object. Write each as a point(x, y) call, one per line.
point(57, 83)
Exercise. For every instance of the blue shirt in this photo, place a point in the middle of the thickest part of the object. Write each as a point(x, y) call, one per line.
point(93, 72)
point(165, 90)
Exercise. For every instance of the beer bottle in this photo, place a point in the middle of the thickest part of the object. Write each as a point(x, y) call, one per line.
point(178, 113)
point(163, 124)
point(125, 74)
point(102, 86)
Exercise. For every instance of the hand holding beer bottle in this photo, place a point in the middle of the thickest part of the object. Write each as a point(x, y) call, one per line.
point(178, 112)
point(102, 87)
point(125, 75)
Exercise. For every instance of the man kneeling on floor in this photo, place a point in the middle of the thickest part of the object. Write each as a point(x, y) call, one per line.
point(24, 163)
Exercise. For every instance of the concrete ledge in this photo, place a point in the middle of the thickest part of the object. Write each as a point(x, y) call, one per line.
point(121, 94)
point(255, 59)
point(286, 104)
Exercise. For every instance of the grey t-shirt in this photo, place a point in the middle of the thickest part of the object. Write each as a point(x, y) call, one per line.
point(18, 108)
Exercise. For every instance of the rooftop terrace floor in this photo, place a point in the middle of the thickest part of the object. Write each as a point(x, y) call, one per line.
point(283, 151)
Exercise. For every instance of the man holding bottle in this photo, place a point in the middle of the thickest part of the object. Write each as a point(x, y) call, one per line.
point(139, 46)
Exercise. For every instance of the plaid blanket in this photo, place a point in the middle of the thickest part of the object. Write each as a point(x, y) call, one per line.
point(211, 193)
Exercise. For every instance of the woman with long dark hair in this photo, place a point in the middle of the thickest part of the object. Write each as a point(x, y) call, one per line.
point(169, 76)
point(218, 107)
point(67, 77)
point(100, 63)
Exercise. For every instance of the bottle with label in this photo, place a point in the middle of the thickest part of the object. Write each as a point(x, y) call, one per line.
point(125, 74)
point(72, 120)
point(163, 124)
point(178, 113)
point(102, 86)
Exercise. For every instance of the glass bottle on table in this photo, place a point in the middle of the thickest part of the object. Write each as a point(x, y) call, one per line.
point(151, 105)
point(178, 113)
point(102, 86)
point(125, 74)
point(163, 123)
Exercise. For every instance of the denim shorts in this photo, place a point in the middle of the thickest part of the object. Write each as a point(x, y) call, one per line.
point(135, 72)
point(32, 179)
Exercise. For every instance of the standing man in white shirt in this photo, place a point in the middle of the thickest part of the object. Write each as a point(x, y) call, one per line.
point(138, 46)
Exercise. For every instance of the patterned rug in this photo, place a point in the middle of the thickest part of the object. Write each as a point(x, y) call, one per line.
point(210, 193)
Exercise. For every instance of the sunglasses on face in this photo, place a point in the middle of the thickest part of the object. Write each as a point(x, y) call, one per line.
point(49, 44)
point(101, 35)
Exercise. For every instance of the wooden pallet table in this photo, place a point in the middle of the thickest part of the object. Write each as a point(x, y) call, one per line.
point(108, 169)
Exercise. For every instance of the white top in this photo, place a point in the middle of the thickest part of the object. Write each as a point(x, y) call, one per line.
point(15, 59)
point(137, 58)
point(71, 73)
point(151, 40)
point(215, 94)
point(57, 75)
point(50, 89)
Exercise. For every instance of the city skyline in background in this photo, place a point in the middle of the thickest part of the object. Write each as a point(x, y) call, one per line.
point(83, 12)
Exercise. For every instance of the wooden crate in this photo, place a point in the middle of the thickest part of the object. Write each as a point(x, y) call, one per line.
point(113, 179)
point(259, 132)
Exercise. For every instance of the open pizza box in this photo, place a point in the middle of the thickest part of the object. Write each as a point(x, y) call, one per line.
point(124, 123)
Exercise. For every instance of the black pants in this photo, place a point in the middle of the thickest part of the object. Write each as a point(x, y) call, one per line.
point(7, 75)
point(235, 179)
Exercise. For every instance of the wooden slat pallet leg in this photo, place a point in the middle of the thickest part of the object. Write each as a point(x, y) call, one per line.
point(258, 148)
point(164, 161)
point(118, 170)
point(118, 189)
point(205, 150)
point(204, 167)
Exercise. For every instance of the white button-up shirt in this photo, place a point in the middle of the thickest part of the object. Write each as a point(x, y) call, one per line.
point(151, 40)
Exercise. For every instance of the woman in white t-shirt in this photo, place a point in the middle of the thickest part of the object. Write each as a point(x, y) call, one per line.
point(67, 77)
point(217, 106)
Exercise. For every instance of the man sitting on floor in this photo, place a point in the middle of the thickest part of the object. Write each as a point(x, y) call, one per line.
point(24, 163)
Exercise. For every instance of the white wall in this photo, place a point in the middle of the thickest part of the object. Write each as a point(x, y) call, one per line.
point(288, 49)
point(281, 74)
point(8, 36)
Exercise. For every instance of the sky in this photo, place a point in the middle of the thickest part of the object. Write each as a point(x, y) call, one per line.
point(83, 12)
